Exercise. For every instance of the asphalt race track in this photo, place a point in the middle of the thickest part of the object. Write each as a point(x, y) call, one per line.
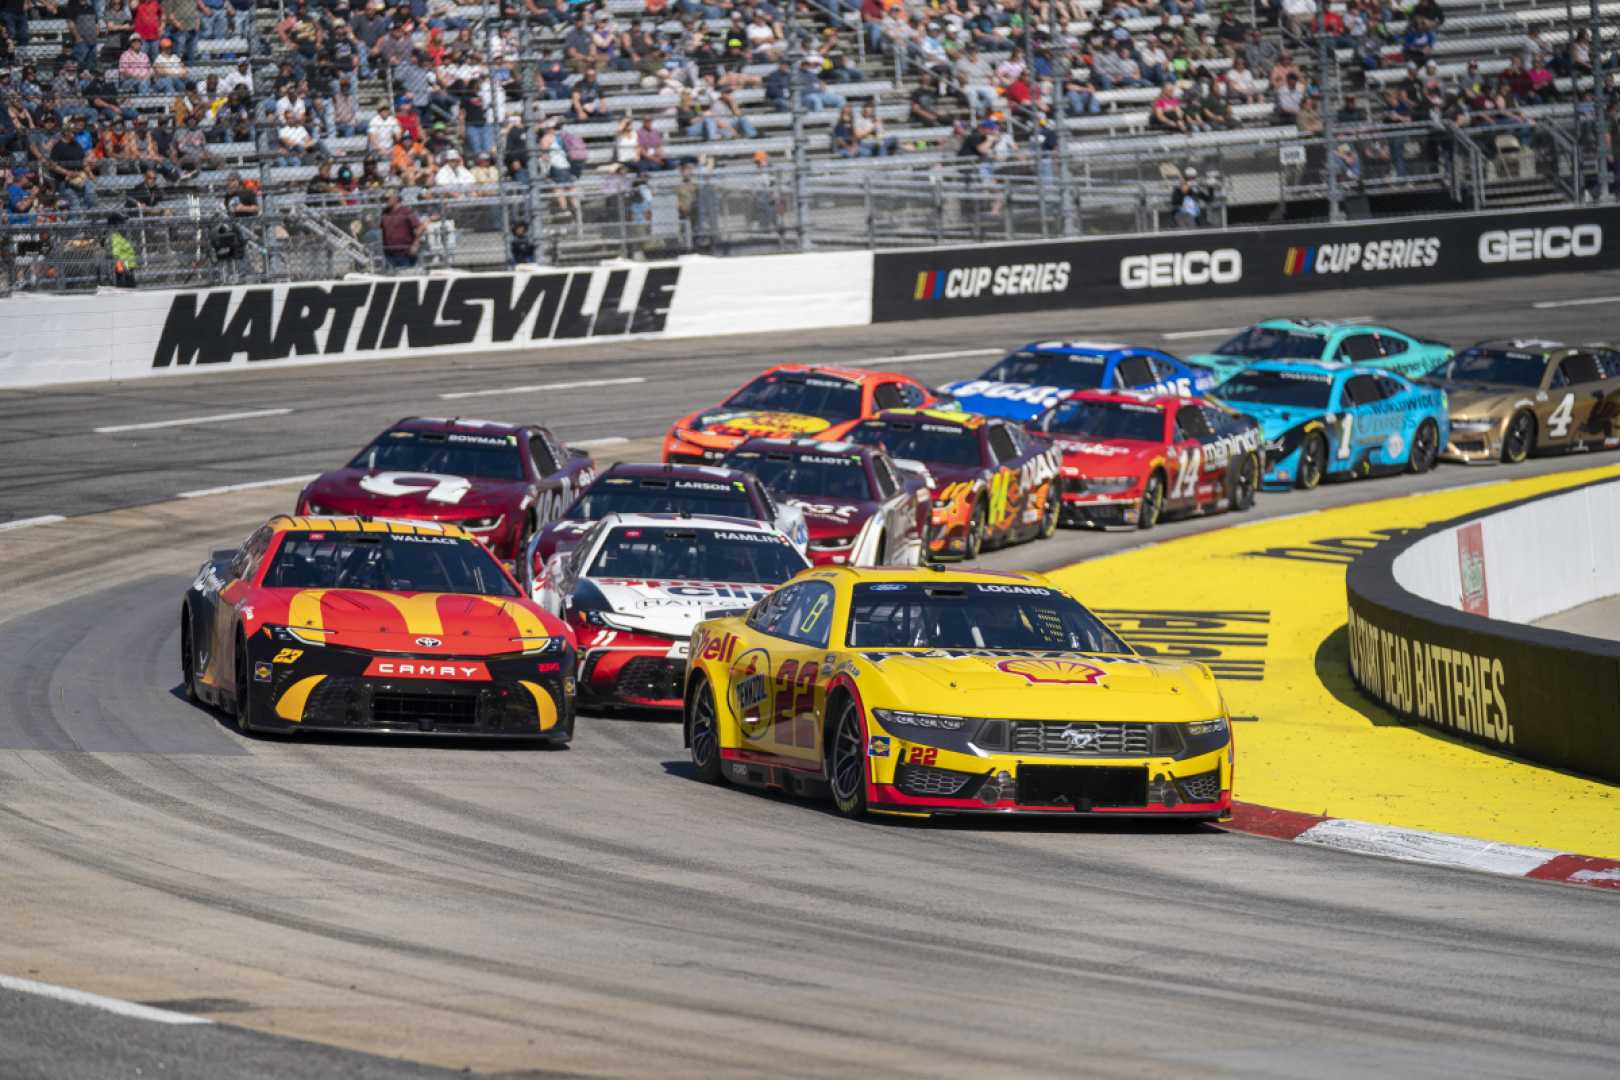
point(597, 911)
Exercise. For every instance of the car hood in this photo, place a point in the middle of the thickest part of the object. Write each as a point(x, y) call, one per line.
point(1036, 685)
point(1276, 419)
point(751, 423)
point(1014, 401)
point(1091, 456)
point(412, 623)
point(670, 608)
point(1475, 400)
point(832, 517)
point(558, 536)
point(414, 495)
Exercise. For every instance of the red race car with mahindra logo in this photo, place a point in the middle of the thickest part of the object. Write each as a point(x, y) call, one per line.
point(993, 483)
point(1130, 459)
point(634, 587)
point(500, 482)
point(345, 625)
point(863, 508)
point(702, 490)
point(791, 401)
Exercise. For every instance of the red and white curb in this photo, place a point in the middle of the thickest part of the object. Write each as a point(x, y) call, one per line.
point(1433, 849)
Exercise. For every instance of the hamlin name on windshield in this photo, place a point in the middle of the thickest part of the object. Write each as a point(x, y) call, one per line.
point(1015, 279)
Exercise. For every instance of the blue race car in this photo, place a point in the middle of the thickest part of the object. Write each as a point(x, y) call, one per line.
point(1326, 339)
point(1025, 383)
point(1327, 420)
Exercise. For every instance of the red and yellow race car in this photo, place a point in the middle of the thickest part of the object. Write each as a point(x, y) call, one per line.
point(993, 483)
point(791, 401)
point(341, 624)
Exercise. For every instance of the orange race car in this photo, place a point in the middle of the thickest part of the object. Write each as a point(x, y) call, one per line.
point(791, 401)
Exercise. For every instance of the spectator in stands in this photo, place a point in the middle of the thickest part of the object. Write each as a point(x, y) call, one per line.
point(1167, 115)
point(1242, 84)
point(402, 233)
point(978, 147)
point(1308, 117)
point(14, 16)
point(1282, 70)
point(1153, 61)
point(409, 160)
point(724, 120)
point(485, 173)
point(453, 177)
point(651, 142)
point(1431, 11)
point(1290, 96)
point(294, 138)
point(1116, 68)
point(135, 68)
point(1417, 43)
point(69, 166)
point(183, 18)
point(1188, 200)
point(1260, 54)
point(844, 142)
point(215, 20)
point(146, 198)
point(813, 93)
point(168, 70)
point(1080, 99)
point(22, 194)
point(586, 99)
point(764, 39)
point(873, 140)
point(928, 106)
point(241, 76)
point(520, 249)
point(1231, 34)
point(383, 131)
point(976, 76)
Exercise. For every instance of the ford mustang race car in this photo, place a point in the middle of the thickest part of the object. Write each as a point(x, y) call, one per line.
point(791, 401)
point(1324, 339)
point(1510, 399)
point(1035, 377)
point(917, 692)
point(862, 507)
point(1130, 459)
point(339, 624)
point(1325, 420)
point(704, 490)
point(993, 483)
point(500, 482)
point(635, 585)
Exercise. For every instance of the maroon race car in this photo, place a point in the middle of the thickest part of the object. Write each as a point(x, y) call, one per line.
point(500, 482)
point(702, 490)
point(1129, 459)
point(863, 509)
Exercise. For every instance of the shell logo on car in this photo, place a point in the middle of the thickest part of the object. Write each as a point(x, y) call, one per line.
point(1066, 672)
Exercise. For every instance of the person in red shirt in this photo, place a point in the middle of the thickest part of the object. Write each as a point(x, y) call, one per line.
point(409, 120)
point(148, 24)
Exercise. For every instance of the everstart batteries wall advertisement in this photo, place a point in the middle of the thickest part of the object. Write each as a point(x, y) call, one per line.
point(1204, 264)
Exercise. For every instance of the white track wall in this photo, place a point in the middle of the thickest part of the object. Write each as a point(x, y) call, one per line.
point(117, 334)
point(1540, 558)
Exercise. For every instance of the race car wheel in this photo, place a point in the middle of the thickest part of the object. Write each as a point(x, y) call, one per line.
point(244, 687)
point(1152, 502)
point(703, 734)
point(1425, 447)
point(846, 760)
point(1312, 460)
point(188, 656)
point(1053, 509)
point(974, 542)
point(1245, 484)
point(1520, 438)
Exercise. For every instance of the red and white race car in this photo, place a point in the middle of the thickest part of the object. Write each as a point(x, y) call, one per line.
point(863, 508)
point(1130, 459)
point(636, 585)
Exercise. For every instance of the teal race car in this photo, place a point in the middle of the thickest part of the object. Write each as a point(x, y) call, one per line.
point(1325, 339)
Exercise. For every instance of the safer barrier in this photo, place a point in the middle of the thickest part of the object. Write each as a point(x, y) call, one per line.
point(1437, 628)
point(123, 335)
point(1281, 262)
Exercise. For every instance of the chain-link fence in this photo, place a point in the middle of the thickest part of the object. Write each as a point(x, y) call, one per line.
point(855, 204)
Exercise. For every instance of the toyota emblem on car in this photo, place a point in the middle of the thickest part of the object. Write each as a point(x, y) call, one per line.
point(429, 642)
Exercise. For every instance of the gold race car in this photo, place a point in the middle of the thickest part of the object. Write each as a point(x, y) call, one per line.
point(920, 692)
point(1510, 399)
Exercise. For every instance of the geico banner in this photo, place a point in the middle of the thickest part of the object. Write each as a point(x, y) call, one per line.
point(1206, 264)
point(121, 334)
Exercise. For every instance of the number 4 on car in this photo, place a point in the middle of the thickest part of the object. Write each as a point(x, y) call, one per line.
point(919, 692)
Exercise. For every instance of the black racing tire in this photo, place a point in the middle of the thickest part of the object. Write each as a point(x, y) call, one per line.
point(244, 687)
point(703, 733)
point(846, 758)
point(188, 656)
point(1425, 448)
point(1312, 462)
point(1152, 501)
point(973, 544)
point(1245, 484)
point(1053, 510)
point(1520, 438)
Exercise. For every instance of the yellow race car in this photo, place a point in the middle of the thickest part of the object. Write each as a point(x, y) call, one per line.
point(922, 691)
